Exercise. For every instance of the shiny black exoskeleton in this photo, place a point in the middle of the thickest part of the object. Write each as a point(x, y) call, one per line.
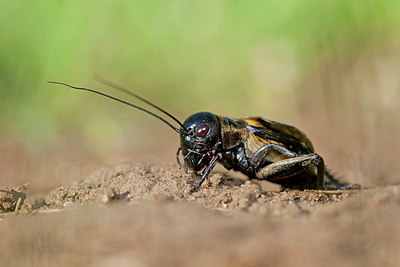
point(259, 148)
point(201, 141)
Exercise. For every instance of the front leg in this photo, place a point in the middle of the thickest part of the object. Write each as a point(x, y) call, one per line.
point(207, 172)
point(177, 157)
point(280, 170)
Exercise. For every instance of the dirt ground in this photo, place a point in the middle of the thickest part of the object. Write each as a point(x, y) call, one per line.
point(139, 214)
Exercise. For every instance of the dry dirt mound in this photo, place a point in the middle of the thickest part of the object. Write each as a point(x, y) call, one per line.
point(144, 215)
point(135, 182)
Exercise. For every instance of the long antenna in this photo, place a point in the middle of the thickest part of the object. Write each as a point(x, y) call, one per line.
point(119, 100)
point(126, 91)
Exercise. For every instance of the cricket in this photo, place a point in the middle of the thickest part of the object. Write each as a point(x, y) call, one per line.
point(259, 148)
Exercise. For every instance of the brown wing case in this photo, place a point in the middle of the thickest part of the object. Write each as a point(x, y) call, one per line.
point(263, 131)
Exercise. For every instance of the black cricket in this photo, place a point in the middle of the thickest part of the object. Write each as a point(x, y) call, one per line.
point(259, 148)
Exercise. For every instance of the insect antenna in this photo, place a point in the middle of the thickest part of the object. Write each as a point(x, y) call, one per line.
point(121, 101)
point(126, 91)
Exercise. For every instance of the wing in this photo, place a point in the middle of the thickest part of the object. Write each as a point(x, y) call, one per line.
point(262, 131)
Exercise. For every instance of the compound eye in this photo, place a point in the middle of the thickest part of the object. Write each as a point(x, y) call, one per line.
point(202, 130)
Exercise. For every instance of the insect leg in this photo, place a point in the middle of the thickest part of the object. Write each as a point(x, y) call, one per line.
point(207, 171)
point(187, 157)
point(177, 157)
point(209, 152)
point(264, 150)
point(335, 184)
point(293, 166)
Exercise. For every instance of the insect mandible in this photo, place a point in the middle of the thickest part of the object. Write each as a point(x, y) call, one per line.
point(259, 148)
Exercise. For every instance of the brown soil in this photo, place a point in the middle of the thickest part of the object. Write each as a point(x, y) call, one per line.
point(139, 214)
point(11, 198)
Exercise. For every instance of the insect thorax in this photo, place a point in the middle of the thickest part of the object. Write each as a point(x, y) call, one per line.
point(233, 132)
point(236, 159)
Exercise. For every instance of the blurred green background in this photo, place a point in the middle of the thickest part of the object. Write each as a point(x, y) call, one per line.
point(329, 67)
